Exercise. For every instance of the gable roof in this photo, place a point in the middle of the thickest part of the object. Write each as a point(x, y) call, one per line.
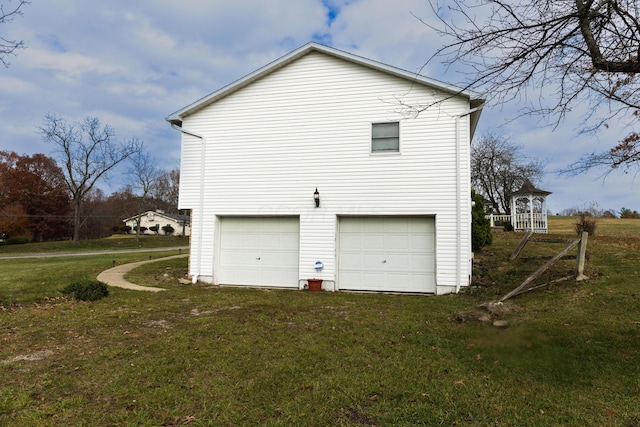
point(476, 102)
point(174, 217)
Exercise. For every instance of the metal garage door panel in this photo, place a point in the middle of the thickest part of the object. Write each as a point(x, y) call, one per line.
point(259, 251)
point(397, 242)
point(387, 254)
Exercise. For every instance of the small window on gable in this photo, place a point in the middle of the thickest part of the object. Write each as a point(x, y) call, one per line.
point(385, 137)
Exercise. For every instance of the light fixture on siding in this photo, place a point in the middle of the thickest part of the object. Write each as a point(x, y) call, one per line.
point(316, 197)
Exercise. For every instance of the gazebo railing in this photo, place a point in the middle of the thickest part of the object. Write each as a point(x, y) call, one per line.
point(536, 222)
point(498, 219)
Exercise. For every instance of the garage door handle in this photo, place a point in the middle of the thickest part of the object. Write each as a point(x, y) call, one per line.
point(384, 261)
point(258, 258)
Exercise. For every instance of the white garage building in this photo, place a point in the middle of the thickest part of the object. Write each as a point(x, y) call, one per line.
point(321, 156)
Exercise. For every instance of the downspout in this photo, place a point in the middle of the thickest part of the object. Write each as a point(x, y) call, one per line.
point(196, 276)
point(458, 194)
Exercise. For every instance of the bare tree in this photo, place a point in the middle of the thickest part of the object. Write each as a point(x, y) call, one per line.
point(165, 192)
point(570, 52)
point(87, 154)
point(8, 47)
point(145, 173)
point(498, 168)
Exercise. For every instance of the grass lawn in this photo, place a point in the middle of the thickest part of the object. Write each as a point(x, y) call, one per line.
point(115, 242)
point(199, 355)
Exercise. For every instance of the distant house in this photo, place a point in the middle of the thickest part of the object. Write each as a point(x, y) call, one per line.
point(312, 167)
point(180, 223)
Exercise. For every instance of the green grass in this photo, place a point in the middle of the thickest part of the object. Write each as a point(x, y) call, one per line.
point(605, 226)
point(112, 243)
point(199, 355)
point(32, 279)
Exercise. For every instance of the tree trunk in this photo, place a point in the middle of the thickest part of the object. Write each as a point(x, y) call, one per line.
point(77, 202)
point(138, 221)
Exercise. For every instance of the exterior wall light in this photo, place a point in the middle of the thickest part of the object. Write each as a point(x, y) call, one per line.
point(316, 197)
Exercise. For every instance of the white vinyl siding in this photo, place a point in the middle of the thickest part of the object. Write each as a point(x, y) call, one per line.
point(192, 152)
point(268, 147)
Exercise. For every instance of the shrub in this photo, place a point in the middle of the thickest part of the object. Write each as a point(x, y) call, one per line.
point(16, 240)
point(507, 226)
point(86, 290)
point(168, 229)
point(587, 224)
point(154, 228)
point(123, 229)
point(480, 225)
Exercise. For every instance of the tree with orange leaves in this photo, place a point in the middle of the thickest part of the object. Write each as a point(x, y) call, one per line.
point(33, 197)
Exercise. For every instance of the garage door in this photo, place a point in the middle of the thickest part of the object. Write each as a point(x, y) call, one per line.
point(395, 254)
point(259, 251)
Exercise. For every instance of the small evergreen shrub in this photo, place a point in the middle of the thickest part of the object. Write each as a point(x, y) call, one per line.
point(168, 229)
point(507, 226)
point(86, 290)
point(17, 240)
point(480, 225)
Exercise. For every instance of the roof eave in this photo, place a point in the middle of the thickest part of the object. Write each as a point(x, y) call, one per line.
point(476, 105)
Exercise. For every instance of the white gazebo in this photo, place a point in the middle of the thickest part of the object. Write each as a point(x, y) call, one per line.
point(529, 209)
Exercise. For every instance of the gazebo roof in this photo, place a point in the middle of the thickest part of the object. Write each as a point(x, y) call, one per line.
point(528, 188)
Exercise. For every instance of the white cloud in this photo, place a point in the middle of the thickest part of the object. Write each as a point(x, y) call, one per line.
point(69, 65)
point(387, 32)
point(14, 86)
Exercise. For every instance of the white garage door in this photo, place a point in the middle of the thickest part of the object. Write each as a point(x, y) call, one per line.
point(259, 251)
point(394, 254)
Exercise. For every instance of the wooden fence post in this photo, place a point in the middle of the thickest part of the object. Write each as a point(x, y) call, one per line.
point(580, 259)
point(521, 245)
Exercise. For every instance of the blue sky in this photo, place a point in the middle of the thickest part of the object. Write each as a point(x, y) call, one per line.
point(133, 63)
